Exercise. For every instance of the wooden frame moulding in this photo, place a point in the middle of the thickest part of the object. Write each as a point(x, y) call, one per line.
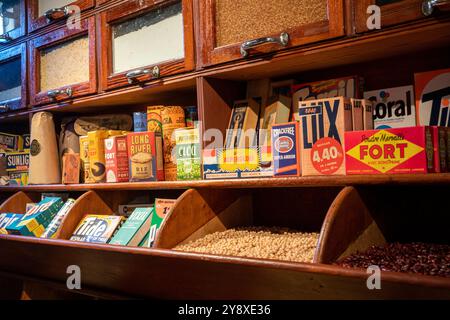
point(10, 54)
point(130, 10)
point(21, 31)
point(211, 54)
point(36, 22)
point(55, 38)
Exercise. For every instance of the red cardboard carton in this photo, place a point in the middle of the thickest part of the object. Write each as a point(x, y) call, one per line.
point(116, 157)
point(390, 151)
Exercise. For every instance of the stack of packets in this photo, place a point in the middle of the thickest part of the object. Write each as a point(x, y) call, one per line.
point(37, 219)
point(139, 230)
point(14, 158)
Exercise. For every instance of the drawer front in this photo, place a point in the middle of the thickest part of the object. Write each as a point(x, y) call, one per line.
point(144, 40)
point(229, 31)
point(43, 12)
point(394, 12)
point(63, 64)
point(12, 20)
point(13, 80)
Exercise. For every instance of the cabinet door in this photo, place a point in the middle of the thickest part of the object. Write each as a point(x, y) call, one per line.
point(144, 40)
point(395, 12)
point(44, 12)
point(12, 20)
point(232, 29)
point(63, 64)
point(13, 80)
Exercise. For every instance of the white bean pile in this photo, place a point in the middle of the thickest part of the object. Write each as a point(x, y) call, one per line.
point(257, 242)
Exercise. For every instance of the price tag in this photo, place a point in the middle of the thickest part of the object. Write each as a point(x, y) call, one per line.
point(327, 156)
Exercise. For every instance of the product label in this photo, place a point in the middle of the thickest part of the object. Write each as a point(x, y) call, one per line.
point(285, 149)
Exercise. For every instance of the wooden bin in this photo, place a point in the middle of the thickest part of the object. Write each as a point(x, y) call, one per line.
point(202, 212)
point(358, 220)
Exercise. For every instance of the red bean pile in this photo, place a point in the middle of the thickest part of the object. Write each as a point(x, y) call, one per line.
point(422, 258)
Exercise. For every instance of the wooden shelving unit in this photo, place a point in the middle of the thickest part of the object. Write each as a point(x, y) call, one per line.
point(340, 208)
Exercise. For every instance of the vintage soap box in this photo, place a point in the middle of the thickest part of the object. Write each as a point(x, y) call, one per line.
point(322, 127)
point(145, 155)
point(433, 98)
point(97, 228)
point(286, 149)
point(390, 151)
point(34, 222)
point(116, 157)
point(362, 114)
point(189, 160)
point(393, 107)
point(161, 209)
point(7, 219)
point(134, 229)
point(17, 161)
point(53, 227)
point(10, 142)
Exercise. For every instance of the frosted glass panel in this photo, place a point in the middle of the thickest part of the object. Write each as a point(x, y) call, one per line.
point(65, 64)
point(149, 39)
point(9, 15)
point(10, 80)
point(45, 5)
point(238, 21)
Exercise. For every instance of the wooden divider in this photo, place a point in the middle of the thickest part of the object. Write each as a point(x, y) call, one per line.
point(89, 203)
point(18, 201)
point(348, 227)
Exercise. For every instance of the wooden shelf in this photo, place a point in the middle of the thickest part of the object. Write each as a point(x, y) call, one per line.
point(166, 274)
point(320, 181)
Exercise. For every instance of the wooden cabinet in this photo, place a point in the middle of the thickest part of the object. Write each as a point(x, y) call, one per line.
point(143, 40)
point(229, 31)
point(13, 80)
point(44, 12)
point(12, 20)
point(63, 64)
point(395, 12)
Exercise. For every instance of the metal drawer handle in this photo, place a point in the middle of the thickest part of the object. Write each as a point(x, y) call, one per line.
point(428, 6)
point(133, 75)
point(4, 108)
point(54, 93)
point(282, 41)
point(5, 38)
point(58, 13)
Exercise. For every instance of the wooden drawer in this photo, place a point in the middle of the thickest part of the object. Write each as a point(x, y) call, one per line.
point(13, 82)
point(395, 12)
point(43, 12)
point(229, 31)
point(12, 20)
point(143, 40)
point(55, 75)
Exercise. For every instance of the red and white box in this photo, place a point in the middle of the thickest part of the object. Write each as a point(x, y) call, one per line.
point(116, 157)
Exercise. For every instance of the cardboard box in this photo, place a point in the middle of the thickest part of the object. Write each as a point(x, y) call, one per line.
point(390, 151)
point(393, 107)
point(34, 222)
point(52, 229)
point(235, 163)
point(189, 159)
point(10, 142)
point(116, 159)
point(134, 229)
point(161, 210)
point(348, 87)
point(71, 168)
point(17, 161)
point(440, 149)
point(276, 112)
point(362, 114)
point(86, 174)
point(97, 162)
point(7, 219)
point(140, 121)
point(433, 98)
point(127, 209)
point(241, 132)
point(322, 127)
point(95, 228)
point(286, 149)
point(145, 156)
point(18, 179)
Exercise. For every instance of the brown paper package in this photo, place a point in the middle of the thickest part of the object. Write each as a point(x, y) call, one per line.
point(44, 159)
